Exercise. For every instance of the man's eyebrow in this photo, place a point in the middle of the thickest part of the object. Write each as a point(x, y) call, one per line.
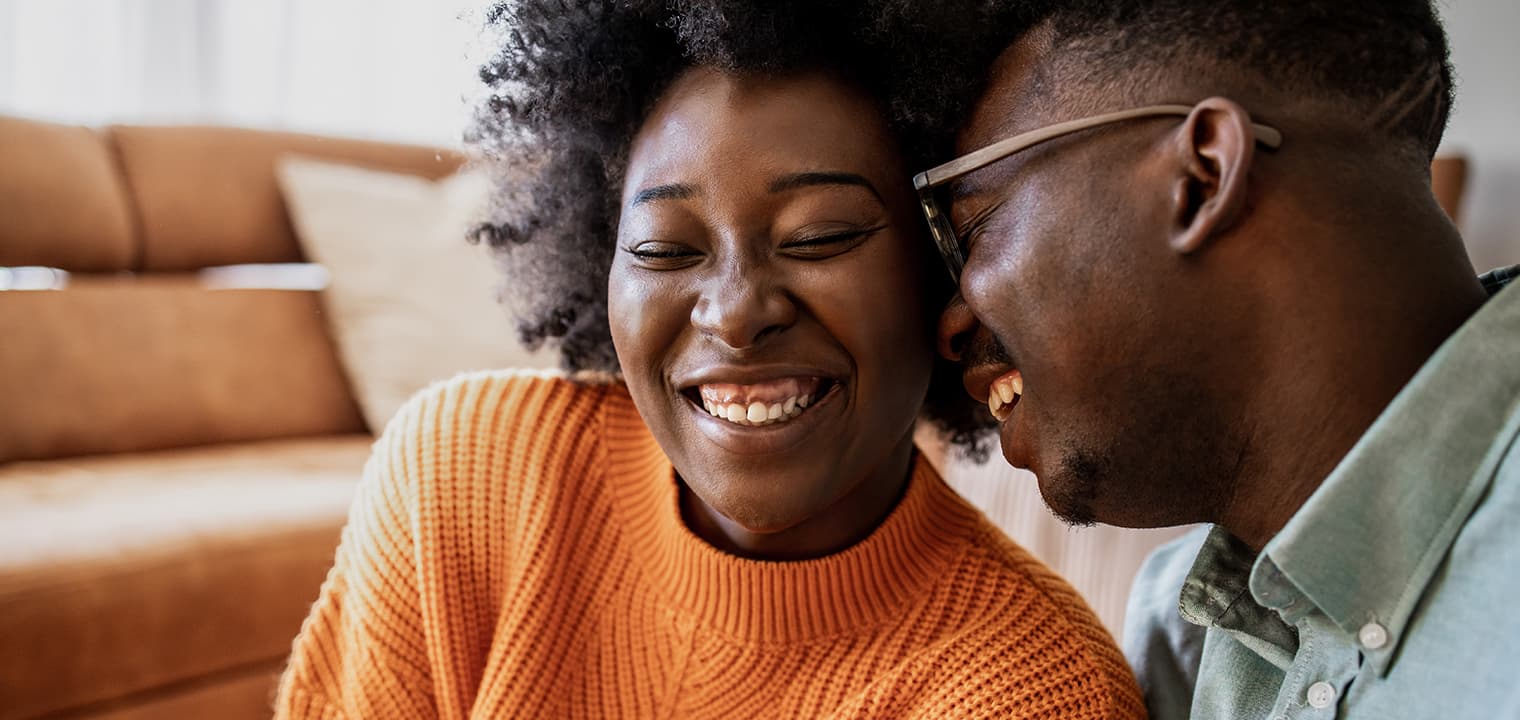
point(677, 191)
point(990, 179)
point(807, 179)
point(962, 188)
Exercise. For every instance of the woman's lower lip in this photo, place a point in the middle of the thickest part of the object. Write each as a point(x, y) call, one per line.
point(766, 439)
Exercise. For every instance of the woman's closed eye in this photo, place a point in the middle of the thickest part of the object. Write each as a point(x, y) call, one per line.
point(662, 254)
point(807, 244)
point(827, 243)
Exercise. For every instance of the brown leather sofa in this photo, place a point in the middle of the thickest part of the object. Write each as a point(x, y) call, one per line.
point(175, 460)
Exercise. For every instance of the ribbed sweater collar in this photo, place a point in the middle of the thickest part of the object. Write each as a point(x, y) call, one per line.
point(769, 601)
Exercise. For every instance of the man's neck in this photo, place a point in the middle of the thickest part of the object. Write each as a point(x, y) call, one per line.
point(1332, 371)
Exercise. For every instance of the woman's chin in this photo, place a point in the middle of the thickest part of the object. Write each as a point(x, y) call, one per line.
point(762, 503)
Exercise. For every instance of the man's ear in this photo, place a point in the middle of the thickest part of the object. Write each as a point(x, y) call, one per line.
point(1214, 147)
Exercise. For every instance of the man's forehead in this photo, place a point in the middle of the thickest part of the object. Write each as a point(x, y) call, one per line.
point(1005, 107)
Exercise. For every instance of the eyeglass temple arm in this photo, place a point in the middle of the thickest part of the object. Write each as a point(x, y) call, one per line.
point(975, 160)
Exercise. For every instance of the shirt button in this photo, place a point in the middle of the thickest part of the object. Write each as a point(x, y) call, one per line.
point(1372, 636)
point(1321, 695)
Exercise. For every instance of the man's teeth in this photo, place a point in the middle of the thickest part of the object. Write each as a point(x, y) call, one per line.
point(759, 413)
point(1001, 395)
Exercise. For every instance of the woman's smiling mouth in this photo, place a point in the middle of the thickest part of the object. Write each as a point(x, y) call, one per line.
point(765, 403)
point(757, 411)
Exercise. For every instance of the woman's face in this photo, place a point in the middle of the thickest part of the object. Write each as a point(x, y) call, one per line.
point(767, 300)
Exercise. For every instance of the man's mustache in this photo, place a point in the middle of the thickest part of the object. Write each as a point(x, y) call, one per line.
point(986, 349)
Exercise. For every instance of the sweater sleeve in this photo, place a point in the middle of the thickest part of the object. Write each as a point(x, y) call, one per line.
point(361, 651)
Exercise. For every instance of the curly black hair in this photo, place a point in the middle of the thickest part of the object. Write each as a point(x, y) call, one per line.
point(571, 83)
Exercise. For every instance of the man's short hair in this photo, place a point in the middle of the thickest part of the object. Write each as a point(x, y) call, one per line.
point(1386, 60)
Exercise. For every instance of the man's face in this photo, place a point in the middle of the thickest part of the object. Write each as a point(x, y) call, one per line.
point(1075, 287)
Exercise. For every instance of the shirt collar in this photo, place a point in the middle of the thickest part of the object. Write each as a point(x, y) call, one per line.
point(1368, 541)
point(1216, 594)
point(1495, 280)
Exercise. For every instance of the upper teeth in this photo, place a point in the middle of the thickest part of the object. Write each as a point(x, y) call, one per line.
point(1001, 395)
point(758, 413)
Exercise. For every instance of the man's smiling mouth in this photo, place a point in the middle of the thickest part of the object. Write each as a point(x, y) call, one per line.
point(770, 402)
point(1004, 393)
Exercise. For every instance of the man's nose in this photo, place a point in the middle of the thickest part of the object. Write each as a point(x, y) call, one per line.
point(742, 306)
point(957, 325)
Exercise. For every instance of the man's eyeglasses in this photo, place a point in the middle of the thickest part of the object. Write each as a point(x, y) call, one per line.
point(928, 181)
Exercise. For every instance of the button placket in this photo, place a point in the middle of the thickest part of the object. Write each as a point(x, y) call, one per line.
point(1327, 661)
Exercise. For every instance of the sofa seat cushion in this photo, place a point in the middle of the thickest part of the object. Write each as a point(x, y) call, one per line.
point(128, 573)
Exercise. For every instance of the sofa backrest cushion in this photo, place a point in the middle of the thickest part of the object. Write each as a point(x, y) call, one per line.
point(207, 196)
point(62, 203)
point(152, 358)
point(117, 365)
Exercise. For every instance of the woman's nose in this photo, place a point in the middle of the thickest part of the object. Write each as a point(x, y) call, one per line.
point(957, 325)
point(743, 306)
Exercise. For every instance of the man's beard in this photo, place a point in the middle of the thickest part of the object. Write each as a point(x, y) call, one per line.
point(1175, 466)
point(1074, 490)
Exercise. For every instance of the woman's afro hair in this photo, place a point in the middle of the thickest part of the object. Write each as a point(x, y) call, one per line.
point(569, 84)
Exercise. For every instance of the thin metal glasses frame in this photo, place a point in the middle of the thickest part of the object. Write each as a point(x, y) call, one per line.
point(926, 182)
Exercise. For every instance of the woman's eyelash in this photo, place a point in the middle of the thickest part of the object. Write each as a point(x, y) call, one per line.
point(662, 251)
point(832, 238)
point(656, 254)
point(825, 239)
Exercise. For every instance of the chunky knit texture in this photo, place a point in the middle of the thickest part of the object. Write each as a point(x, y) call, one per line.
point(517, 550)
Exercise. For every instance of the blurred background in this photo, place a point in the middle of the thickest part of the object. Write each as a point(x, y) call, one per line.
point(230, 247)
point(1485, 126)
point(378, 69)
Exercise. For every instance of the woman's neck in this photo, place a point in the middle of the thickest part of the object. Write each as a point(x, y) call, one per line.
point(848, 521)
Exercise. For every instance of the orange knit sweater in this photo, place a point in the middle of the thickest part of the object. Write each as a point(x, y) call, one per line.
point(516, 550)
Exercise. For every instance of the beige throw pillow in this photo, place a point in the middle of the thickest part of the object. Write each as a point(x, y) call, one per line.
point(409, 300)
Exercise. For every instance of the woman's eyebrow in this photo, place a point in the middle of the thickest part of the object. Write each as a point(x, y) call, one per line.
point(805, 179)
point(678, 191)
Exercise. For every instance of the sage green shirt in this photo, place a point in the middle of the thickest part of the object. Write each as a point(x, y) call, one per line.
point(1394, 592)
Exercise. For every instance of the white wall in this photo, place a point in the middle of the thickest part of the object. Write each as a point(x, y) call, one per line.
point(1485, 126)
point(388, 69)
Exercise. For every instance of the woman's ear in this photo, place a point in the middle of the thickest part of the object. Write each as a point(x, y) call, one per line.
point(1214, 147)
